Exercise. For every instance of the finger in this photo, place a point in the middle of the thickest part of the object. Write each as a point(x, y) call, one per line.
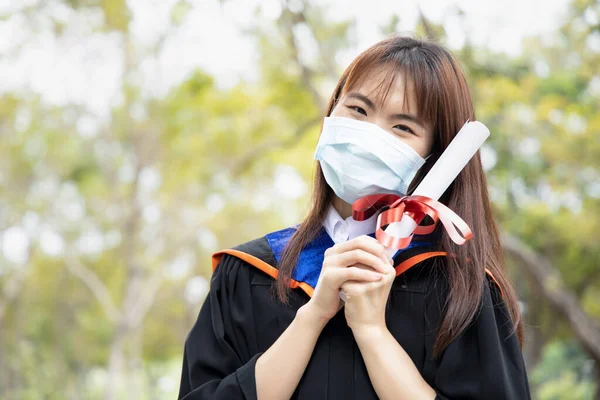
point(390, 272)
point(337, 276)
point(349, 286)
point(356, 289)
point(359, 256)
point(363, 242)
point(363, 266)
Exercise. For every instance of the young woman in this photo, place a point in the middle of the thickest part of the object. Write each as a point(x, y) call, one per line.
point(437, 321)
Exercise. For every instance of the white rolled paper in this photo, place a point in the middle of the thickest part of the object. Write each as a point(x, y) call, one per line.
point(456, 156)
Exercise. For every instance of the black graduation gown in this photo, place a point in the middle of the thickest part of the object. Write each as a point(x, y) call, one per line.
point(240, 320)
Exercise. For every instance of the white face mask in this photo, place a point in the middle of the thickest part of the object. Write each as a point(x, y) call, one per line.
point(360, 158)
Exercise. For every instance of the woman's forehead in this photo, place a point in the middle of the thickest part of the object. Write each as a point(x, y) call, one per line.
point(395, 92)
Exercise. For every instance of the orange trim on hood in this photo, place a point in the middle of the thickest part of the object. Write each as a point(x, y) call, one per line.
point(273, 272)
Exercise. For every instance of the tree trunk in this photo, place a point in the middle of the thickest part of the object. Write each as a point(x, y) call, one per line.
point(550, 285)
point(534, 339)
point(597, 373)
point(115, 364)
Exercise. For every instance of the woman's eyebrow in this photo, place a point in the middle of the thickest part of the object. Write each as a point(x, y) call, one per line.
point(363, 98)
point(371, 104)
point(411, 118)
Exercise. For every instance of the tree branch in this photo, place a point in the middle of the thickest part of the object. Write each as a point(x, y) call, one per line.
point(426, 25)
point(150, 287)
point(560, 298)
point(307, 74)
point(13, 286)
point(10, 290)
point(146, 299)
point(245, 161)
point(95, 284)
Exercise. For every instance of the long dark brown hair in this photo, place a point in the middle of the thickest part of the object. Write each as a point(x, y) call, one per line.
point(443, 98)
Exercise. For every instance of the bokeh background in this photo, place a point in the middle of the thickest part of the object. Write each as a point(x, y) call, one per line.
point(139, 136)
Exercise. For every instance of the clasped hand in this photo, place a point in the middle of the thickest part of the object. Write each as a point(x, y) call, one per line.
point(366, 301)
point(363, 270)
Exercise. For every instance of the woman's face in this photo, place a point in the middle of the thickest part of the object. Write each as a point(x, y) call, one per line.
point(393, 116)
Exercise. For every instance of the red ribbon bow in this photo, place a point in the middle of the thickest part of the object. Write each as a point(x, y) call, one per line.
point(417, 207)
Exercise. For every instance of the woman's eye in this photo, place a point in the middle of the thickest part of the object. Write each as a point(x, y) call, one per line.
point(358, 109)
point(405, 129)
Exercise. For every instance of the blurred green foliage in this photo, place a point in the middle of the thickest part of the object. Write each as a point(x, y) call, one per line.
point(134, 209)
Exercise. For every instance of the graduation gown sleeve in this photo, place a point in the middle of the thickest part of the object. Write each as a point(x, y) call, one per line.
point(220, 352)
point(485, 361)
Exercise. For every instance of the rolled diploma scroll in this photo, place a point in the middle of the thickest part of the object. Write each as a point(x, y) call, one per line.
point(458, 153)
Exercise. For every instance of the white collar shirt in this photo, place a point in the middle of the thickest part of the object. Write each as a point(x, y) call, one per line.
point(341, 230)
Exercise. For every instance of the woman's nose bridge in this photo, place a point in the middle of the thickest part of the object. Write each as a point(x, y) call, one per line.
point(378, 119)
